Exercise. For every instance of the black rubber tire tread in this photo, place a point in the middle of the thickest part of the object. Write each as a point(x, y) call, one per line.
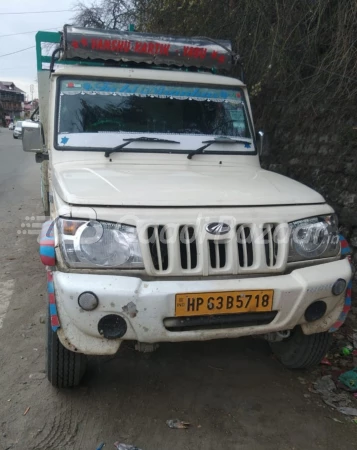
point(45, 188)
point(65, 369)
point(302, 351)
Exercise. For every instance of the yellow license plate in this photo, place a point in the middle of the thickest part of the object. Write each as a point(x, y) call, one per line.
point(234, 302)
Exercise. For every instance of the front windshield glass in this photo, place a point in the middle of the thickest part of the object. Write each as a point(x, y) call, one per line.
point(93, 113)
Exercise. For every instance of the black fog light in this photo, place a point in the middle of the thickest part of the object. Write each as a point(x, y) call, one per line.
point(315, 311)
point(112, 326)
point(339, 287)
point(88, 301)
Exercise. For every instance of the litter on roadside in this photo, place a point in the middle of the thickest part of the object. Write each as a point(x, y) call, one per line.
point(336, 420)
point(120, 446)
point(100, 447)
point(348, 411)
point(347, 350)
point(326, 387)
point(37, 376)
point(349, 379)
point(354, 338)
point(178, 424)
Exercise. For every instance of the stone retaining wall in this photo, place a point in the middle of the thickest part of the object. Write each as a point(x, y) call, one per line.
point(321, 153)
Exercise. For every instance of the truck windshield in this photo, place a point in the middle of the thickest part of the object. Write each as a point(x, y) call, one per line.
point(102, 113)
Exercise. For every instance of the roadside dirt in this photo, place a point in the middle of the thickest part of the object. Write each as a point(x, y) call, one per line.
point(235, 395)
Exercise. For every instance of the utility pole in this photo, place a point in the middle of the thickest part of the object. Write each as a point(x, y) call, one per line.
point(32, 88)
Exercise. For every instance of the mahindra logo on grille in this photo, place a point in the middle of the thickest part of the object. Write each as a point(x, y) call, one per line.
point(218, 228)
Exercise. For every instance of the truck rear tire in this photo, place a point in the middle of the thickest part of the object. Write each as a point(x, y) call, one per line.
point(65, 369)
point(300, 351)
point(45, 188)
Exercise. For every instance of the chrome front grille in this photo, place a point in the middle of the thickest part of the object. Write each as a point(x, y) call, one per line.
point(176, 250)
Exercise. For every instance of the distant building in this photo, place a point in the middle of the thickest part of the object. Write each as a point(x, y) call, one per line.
point(11, 102)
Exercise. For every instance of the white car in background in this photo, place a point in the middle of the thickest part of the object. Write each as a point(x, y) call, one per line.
point(18, 130)
point(11, 126)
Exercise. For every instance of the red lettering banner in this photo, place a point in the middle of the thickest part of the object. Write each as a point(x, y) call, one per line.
point(115, 45)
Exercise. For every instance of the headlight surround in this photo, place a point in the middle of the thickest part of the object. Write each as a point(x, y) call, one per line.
point(92, 243)
point(314, 238)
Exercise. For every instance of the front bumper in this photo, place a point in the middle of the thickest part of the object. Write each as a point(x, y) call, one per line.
point(154, 301)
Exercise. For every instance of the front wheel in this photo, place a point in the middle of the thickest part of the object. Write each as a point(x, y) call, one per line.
point(64, 368)
point(300, 351)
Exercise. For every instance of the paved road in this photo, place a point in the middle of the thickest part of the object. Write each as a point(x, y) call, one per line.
point(233, 392)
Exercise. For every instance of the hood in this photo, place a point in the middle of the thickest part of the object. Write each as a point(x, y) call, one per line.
point(163, 186)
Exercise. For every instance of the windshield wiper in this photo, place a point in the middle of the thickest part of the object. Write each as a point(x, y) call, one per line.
point(218, 140)
point(118, 148)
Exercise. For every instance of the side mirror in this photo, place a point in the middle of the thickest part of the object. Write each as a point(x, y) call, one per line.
point(32, 137)
point(260, 141)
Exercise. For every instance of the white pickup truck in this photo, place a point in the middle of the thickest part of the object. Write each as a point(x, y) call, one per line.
point(163, 226)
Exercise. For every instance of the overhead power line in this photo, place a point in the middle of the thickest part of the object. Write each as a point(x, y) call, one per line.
point(36, 12)
point(18, 51)
point(27, 32)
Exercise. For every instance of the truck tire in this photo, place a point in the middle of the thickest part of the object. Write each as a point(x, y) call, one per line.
point(45, 188)
point(300, 351)
point(65, 369)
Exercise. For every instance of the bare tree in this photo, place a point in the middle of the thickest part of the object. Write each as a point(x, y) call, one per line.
point(109, 14)
point(299, 47)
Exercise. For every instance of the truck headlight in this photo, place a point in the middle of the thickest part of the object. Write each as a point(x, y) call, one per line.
point(314, 238)
point(85, 244)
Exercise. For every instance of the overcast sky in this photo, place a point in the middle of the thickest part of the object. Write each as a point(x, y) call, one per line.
point(21, 67)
